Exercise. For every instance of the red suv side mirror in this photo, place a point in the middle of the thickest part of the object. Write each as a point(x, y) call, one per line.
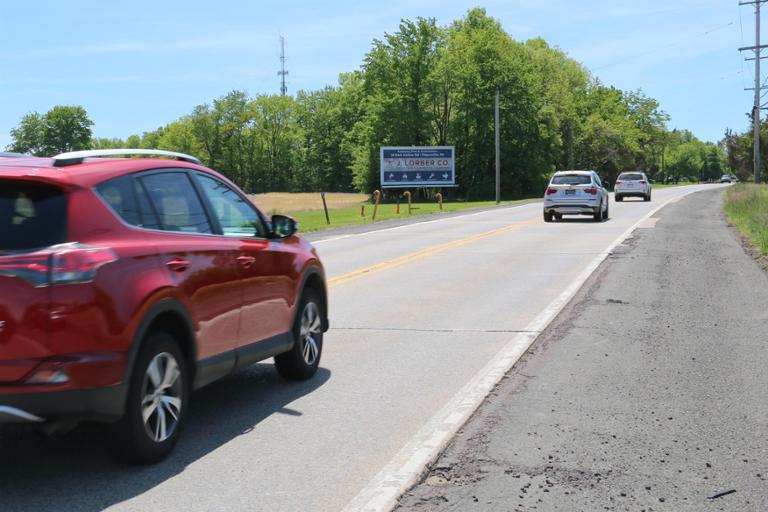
point(283, 226)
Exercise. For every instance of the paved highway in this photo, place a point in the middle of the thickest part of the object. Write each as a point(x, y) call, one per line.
point(417, 311)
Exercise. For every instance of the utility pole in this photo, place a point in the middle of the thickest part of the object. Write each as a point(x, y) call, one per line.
point(498, 152)
point(282, 73)
point(757, 88)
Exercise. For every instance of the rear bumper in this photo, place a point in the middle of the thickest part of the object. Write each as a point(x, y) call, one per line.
point(631, 193)
point(99, 404)
point(571, 209)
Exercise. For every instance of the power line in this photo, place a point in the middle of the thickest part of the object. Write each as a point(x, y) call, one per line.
point(741, 27)
point(665, 47)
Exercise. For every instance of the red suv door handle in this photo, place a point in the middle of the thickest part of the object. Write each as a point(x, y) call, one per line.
point(246, 261)
point(178, 265)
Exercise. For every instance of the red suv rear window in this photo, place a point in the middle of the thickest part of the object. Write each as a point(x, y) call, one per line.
point(31, 216)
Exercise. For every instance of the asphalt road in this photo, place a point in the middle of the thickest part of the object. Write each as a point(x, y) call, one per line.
point(416, 312)
point(648, 392)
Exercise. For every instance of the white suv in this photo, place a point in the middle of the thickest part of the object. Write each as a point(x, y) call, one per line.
point(575, 193)
point(632, 184)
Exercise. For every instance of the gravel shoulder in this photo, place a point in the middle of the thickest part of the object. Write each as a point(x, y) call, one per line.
point(647, 393)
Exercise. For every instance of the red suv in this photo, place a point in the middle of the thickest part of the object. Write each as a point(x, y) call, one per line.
point(126, 283)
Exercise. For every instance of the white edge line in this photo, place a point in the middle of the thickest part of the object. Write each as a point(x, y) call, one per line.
point(406, 468)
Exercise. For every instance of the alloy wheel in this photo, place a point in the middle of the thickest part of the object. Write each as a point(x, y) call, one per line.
point(162, 397)
point(311, 327)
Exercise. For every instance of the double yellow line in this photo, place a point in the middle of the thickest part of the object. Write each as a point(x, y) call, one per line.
point(418, 255)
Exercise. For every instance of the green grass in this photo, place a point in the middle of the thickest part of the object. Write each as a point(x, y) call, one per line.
point(746, 206)
point(665, 185)
point(314, 220)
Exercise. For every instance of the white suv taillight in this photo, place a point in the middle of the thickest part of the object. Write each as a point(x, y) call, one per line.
point(61, 264)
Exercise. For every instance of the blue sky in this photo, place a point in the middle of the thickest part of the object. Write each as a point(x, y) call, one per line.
point(143, 64)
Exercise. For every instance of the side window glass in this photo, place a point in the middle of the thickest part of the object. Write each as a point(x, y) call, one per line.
point(148, 214)
point(119, 195)
point(176, 202)
point(236, 217)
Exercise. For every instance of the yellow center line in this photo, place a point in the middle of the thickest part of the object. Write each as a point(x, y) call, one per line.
point(418, 255)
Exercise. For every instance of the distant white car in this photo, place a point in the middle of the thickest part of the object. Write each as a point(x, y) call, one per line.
point(632, 184)
point(575, 193)
point(727, 178)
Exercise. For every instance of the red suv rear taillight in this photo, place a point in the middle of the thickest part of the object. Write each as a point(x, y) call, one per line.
point(551, 191)
point(33, 268)
point(642, 181)
point(618, 181)
point(79, 263)
point(62, 264)
point(592, 191)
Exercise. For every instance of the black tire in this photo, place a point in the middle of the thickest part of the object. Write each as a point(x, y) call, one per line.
point(619, 198)
point(148, 442)
point(647, 197)
point(558, 217)
point(547, 216)
point(301, 362)
point(598, 215)
point(607, 207)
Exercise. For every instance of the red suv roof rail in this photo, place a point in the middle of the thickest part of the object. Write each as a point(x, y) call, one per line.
point(77, 157)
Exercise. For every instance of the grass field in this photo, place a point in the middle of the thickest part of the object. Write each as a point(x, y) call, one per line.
point(287, 202)
point(668, 185)
point(746, 206)
point(344, 209)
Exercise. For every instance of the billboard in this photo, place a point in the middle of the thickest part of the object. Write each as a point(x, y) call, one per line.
point(408, 166)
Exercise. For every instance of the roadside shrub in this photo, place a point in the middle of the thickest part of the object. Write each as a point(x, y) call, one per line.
point(746, 206)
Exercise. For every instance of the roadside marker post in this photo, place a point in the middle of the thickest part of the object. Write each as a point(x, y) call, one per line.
point(376, 198)
point(407, 194)
point(439, 198)
point(325, 208)
point(362, 210)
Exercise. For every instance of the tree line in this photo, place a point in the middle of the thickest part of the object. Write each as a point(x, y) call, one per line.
point(740, 152)
point(424, 85)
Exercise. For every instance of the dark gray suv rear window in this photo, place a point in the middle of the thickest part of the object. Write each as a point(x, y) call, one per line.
point(31, 216)
point(631, 177)
point(572, 179)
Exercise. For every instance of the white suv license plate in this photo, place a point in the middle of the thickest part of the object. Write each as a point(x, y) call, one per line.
point(570, 192)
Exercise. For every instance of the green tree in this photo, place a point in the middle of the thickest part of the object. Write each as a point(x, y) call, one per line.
point(61, 129)
point(326, 119)
point(27, 137)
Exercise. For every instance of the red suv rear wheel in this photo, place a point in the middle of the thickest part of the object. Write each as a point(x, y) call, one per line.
point(157, 401)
